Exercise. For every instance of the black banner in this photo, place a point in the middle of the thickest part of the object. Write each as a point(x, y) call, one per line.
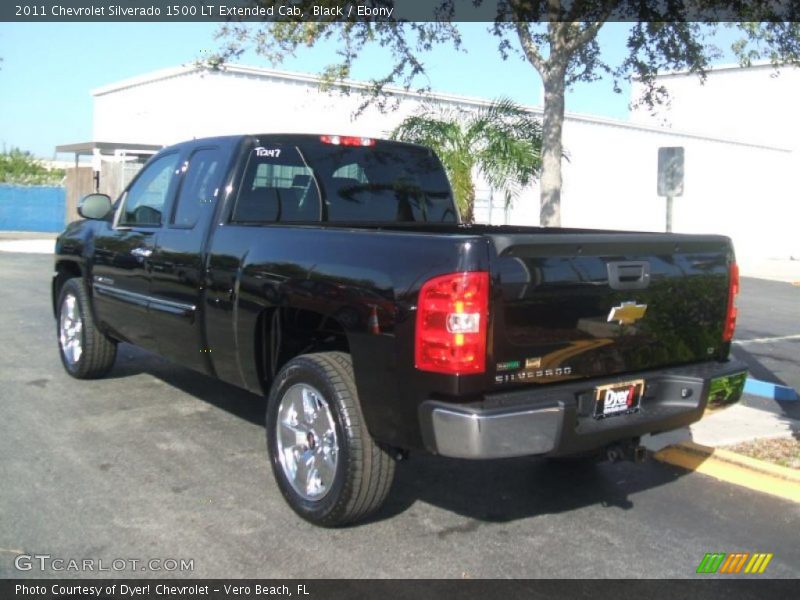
point(396, 10)
point(383, 589)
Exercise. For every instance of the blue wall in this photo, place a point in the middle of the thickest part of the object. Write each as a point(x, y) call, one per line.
point(31, 208)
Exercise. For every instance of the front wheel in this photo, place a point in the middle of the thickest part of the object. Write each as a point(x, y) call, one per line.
point(328, 467)
point(86, 352)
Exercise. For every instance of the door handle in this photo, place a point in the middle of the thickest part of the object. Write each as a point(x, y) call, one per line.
point(142, 252)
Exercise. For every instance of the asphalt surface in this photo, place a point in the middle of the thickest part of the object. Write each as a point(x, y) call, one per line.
point(768, 338)
point(157, 462)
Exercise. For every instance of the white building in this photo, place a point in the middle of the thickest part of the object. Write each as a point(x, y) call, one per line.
point(758, 104)
point(736, 183)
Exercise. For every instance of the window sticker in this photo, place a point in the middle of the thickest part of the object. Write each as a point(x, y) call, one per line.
point(268, 152)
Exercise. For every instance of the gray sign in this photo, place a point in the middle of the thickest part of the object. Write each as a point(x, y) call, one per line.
point(670, 171)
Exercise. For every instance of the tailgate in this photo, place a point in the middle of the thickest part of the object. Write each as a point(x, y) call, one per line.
point(579, 305)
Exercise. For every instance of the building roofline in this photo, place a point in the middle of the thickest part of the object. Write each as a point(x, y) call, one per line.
point(90, 147)
point(150, 77)
point(755, 66)
point(237, 69)
point(674, 132)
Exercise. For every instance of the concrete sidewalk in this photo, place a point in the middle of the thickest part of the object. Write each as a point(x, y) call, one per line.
point(26, 235)
point(728, 427)
point(28, 246)
point(27, 242)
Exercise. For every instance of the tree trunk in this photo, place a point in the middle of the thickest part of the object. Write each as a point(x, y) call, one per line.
point(468, 216)
point(552, 148)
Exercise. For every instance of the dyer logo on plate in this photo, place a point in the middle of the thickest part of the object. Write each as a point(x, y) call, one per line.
point(618, 398)
point(621, 400)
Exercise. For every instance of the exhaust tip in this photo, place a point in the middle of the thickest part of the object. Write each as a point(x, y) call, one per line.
point(614, 453)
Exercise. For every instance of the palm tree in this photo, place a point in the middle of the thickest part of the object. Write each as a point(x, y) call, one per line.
point(501, 141)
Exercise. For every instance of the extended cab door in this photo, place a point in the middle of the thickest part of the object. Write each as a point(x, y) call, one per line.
point(122, 250)
point(179, 258)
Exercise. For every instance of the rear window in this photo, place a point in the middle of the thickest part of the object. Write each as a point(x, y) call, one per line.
point(314, 181)
point(385, 182)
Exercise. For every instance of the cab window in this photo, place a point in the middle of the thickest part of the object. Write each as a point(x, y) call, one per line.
point(145, 199)
point(199, 188)
point(277, 187)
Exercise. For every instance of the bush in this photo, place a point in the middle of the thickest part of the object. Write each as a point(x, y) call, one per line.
point(22, 168)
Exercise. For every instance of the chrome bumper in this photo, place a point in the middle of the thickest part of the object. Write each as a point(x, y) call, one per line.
point(559, 419)
point(468, 434)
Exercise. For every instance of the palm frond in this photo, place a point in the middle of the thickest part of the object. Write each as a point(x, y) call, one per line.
point(502, 141)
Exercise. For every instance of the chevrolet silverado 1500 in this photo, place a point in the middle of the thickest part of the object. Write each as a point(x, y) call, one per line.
point(332, 274)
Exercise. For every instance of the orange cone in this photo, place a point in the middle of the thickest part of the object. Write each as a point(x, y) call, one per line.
point(372, 324)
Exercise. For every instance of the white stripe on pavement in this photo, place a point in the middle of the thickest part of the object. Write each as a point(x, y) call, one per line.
point(768, 339)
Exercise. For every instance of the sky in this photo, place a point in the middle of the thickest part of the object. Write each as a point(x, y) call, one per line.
point(49, 69)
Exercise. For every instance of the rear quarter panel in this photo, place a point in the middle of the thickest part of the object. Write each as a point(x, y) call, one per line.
point(341, 273)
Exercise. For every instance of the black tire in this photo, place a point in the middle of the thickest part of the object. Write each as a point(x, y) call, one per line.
point(97, 351)
point(363, 472)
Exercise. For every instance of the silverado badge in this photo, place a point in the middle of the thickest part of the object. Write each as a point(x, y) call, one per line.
point(627, 313)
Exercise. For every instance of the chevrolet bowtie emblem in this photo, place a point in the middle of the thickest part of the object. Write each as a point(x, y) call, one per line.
point(627, 313)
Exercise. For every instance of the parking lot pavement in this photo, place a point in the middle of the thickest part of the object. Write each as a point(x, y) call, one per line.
point(156, 461)
point(768, 333)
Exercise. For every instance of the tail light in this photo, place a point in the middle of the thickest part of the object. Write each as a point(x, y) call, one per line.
point(451, 324)
point(730, 316)
point(346, 140)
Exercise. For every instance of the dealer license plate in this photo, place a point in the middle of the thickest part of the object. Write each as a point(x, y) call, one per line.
point(618, 399)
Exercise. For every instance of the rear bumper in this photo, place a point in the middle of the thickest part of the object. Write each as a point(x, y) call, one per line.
point(558, 419)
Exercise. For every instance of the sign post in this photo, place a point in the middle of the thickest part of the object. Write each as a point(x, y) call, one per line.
point(670, 176)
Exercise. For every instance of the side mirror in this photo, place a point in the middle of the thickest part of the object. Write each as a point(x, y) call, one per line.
point(94, 206)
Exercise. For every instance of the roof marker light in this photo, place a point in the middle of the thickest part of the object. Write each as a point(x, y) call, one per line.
point(346, 140)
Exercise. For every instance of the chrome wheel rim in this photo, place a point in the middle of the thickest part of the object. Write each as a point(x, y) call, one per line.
point(70, 330)
point(308, 449)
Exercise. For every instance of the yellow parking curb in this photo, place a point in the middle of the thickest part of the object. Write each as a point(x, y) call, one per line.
point(734, 468)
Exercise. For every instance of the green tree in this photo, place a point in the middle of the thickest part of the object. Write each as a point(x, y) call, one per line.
point(20, 167)
point(558, 38)
point(501, 141)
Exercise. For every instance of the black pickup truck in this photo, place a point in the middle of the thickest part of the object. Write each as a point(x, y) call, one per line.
point(332, 274)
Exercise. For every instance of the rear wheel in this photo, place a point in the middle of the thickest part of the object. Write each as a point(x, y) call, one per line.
point(86, 352)
point(329, 469)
